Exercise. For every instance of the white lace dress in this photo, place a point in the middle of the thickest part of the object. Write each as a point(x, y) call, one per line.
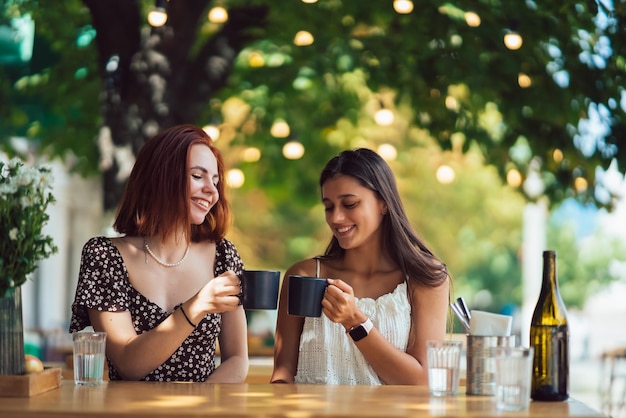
point(329, 356)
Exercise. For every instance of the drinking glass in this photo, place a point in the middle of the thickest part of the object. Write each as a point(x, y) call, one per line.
point(513, 377)
point(88, 350)
point(444, 365)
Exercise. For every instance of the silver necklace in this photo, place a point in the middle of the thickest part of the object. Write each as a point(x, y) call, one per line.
point(161, 262)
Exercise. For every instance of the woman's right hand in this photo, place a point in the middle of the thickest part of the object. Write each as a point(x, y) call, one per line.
point(220, 294)
point(339, 304)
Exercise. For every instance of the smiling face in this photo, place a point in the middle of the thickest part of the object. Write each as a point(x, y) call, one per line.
point(203, 179)
point(353, 212)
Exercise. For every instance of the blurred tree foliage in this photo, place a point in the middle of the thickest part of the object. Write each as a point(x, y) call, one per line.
point(458, 81)
point(101, 81)
point(587, 260)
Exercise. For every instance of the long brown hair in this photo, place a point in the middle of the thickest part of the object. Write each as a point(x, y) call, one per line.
point(400, 241)
point(156, 199)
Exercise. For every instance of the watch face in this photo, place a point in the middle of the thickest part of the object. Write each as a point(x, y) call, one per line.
point(358, 333)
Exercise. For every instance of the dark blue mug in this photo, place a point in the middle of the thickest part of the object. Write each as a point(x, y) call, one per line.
point(260, 289)
point(305, 295)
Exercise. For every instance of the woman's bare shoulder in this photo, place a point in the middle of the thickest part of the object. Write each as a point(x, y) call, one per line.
point(306, 267)
point(425, 292)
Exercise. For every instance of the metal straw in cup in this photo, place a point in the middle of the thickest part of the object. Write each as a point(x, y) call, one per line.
point(460, 315)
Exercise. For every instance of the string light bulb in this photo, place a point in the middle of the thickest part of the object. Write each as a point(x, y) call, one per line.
point(445, 174)
point(383, 117)
point(293, 150)
point(513, 40)
point(158, 16)
point(212, 131)
point(387, 151)
point(218, 15)
point(524, 80)
point(580, 184)
point(251, 154)
point(514, 178)
point(472, 19)
point(403, 6)
point(235, 178)
point(280, 129)
point(303, 38)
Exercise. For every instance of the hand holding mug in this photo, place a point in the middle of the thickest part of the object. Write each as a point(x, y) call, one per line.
point(339, 304)
point(220, 294)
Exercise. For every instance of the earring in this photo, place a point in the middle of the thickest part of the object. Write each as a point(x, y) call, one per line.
point(385, 212)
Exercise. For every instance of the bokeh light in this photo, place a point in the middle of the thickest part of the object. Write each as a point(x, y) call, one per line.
point(293, 150)
point(235, 178)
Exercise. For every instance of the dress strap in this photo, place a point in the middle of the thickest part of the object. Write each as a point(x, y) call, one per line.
point(317, 266)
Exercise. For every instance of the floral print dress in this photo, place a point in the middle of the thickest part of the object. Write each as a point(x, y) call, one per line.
point(103, 284)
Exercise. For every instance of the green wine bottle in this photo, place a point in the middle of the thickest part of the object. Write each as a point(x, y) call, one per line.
point(549, 335)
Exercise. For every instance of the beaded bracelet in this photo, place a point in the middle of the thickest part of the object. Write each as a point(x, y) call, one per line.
point(186, 317)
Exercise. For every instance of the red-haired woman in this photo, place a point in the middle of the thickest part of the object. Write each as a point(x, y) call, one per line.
point(167, 289)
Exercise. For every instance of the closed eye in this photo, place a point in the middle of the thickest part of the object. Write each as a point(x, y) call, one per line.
point(345, 205)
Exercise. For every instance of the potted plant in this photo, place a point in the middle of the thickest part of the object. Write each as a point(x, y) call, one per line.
point(24, 197)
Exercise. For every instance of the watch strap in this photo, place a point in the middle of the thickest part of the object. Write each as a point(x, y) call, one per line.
point(362, 330)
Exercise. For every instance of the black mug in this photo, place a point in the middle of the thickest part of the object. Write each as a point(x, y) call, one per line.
point(305, 295)
point(259, 289)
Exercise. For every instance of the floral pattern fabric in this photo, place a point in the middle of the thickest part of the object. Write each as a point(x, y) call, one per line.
point(103, 284)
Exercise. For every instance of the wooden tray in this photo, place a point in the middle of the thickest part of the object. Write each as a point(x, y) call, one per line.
point(27, 385)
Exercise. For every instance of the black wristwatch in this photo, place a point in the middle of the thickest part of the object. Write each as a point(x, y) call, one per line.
point(361, 331)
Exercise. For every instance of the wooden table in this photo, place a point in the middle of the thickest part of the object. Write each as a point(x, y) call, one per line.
point(157, 400)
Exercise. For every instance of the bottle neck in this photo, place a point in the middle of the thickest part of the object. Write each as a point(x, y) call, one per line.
point(549, 281)
point(550, 308)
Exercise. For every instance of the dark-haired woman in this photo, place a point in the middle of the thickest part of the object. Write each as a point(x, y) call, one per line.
point(166, 290)
point(387, 292)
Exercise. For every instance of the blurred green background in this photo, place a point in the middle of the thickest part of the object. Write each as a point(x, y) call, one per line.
point(282, 87)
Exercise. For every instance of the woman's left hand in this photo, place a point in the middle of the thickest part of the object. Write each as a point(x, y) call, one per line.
point(339, 304)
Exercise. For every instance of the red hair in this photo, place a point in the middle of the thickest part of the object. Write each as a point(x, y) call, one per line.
point(156, 199)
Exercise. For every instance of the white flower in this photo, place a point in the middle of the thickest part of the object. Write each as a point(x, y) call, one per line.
point(7, 189)
point(24, 198)
point(27, 201)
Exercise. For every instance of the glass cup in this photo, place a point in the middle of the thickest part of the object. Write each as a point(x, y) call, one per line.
point(513, 377)
point(444, 366)
point(88, 350)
